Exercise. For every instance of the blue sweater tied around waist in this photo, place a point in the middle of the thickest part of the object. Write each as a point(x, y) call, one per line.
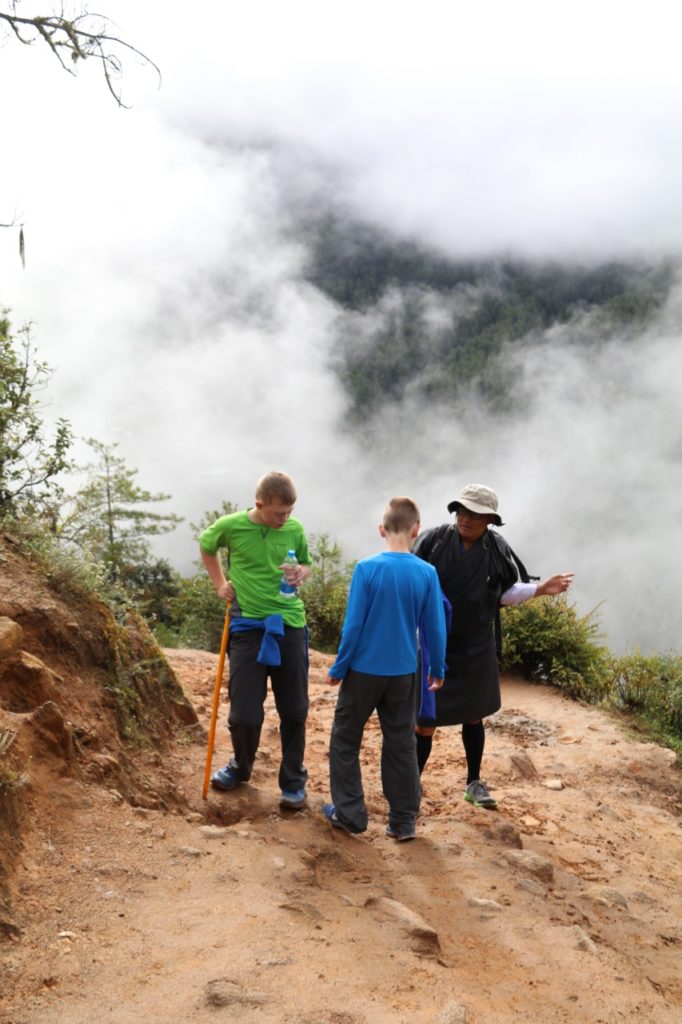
point(272, 626)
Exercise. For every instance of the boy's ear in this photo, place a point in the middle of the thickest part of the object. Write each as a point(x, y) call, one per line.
point(382, 529)
point(414, 532)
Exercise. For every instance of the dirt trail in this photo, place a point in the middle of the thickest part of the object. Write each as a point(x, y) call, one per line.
point(565, 905)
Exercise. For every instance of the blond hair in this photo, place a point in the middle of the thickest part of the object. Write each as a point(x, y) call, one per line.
point(400, 515)
point(277, 487)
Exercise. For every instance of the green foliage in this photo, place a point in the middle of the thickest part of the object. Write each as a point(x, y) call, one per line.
point(208, 518)
point(151, 585)
point(548, 641)
point(141, 681)
point(325, 593)
point(71, 574)
point(652, 686)
point(29, 460)
point(196, 616)
point(108, 517)
point(194, 613)
point(485, 305)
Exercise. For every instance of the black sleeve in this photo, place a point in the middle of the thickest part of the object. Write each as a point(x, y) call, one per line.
point(506, 567)
point(423, 546)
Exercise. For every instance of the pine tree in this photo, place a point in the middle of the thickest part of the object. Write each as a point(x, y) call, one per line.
point(109, 516)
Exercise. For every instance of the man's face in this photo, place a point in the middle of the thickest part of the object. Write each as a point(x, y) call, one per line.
point(471, 525)
point(274, 514)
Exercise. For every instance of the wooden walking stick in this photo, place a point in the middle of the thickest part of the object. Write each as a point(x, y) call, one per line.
point(216, 699)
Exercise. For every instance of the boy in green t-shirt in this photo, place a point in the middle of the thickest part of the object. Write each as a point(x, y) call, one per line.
point(268, 634)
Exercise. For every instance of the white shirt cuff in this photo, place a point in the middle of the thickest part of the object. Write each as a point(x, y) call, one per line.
point(518, 593)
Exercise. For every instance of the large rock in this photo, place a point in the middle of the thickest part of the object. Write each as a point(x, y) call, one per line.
point(11, 638)
point(530, 864)
point(231, 992)
point(29, 683)
point(423, 938)
point(55, 734)
point(505, 833)
point(522, 765)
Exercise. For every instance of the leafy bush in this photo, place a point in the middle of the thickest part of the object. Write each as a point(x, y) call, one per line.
point(551, 643)
point(548, 641)
point(652, 686)
point(30, 462)
point(70, 573)
point(325, 594)
point(195, 616)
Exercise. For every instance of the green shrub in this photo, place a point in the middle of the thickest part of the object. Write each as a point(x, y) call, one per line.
point(196, 616)
point(70, 573)
point(325, 594)
point(325, 609)
point(636, 682)
point(650, 685)
point(549, 642)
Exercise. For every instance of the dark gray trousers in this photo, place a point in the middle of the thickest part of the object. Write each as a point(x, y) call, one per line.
point(393, 697)
point(248, 689)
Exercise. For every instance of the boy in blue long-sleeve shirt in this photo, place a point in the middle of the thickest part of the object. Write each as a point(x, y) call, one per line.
point(390, 595)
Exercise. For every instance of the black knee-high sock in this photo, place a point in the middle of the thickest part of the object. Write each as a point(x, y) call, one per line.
point(424, 744)
point(473, 738)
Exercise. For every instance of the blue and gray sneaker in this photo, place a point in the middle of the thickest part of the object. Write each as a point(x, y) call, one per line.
point(292, 798)
point(225, 778)
point(402, 837)
point(329, 811)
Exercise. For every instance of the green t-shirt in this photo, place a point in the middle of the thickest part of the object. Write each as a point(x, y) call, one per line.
point(255, 554)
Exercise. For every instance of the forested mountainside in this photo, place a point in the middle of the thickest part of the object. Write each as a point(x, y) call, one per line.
point(414, 317)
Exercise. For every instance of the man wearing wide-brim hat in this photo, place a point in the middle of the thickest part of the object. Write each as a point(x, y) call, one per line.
point(478, 572)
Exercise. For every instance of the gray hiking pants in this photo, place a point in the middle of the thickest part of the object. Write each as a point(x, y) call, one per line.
point(393, 697)
point(248, 688)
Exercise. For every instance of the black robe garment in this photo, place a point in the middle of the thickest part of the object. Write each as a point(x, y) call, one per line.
point(473, 582)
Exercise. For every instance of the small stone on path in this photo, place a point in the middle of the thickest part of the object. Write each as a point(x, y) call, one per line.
point(583, 940)
point(452, 1013)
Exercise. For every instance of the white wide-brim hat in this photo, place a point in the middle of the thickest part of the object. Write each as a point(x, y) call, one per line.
point(478, 498)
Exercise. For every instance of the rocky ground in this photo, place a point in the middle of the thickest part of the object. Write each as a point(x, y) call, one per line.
point(564, 905)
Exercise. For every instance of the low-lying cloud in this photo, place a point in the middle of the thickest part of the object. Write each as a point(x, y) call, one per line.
point(165, 268)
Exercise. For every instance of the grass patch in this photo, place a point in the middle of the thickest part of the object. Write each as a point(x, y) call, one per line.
point(549, 642)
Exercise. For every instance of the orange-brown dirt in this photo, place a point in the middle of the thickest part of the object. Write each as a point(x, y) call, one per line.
point(127, 897)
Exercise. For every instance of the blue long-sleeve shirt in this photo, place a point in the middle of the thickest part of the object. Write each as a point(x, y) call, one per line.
point(389, 594)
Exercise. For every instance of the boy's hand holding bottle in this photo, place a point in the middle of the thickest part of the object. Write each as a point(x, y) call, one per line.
point(294, 575)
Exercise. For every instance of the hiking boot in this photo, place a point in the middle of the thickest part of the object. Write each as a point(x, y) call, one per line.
point(329, 811)
point(477, 794)
point(225, 778)
point(292, 798)
point(402, 837)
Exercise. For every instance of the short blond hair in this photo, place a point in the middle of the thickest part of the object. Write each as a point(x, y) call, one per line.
point(278, 487)
point(400, 515)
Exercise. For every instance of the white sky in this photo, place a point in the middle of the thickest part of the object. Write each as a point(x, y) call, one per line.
point(165, 284)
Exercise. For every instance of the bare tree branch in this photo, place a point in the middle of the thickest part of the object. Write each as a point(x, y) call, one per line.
point(22, 245)
point(75, 39)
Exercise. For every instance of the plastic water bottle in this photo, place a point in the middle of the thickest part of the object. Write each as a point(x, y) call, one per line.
point(287, 589)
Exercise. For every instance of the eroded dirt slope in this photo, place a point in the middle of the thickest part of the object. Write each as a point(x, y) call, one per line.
point(565, 905)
